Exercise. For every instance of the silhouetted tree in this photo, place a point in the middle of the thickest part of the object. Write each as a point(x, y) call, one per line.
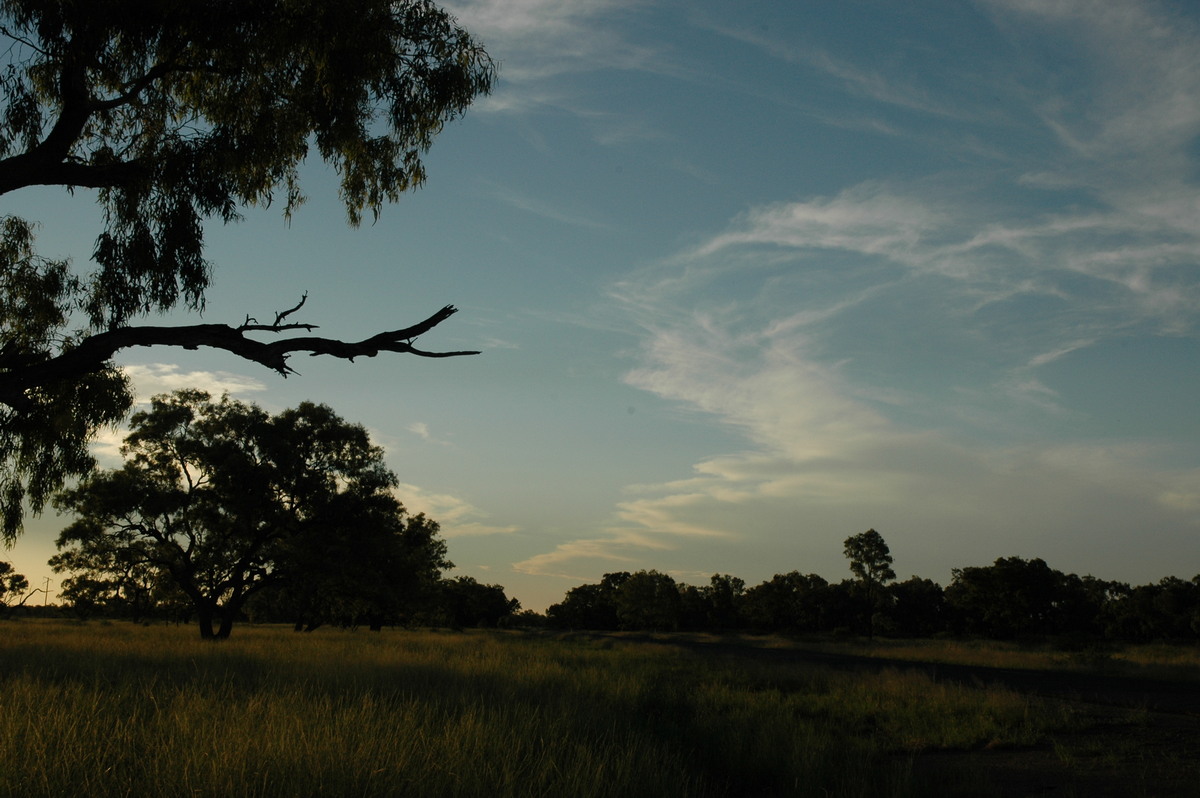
point(175, 113)
point(589, 606)
point(695, 609)
point(365, 562)
point(14, 587)
point(220, 496)
point(791, 602)
point(648, 601)
point(918, 608)
point(465, 602)
point(871, 563)
point(724, 596)
point(1167, 610)
point(1010, 598)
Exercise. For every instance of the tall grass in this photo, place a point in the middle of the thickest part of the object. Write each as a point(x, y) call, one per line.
point(1151, 660)
point(116, 710)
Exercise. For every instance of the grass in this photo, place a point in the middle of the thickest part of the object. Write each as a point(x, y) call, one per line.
point(118, 709)
point(1146, 661)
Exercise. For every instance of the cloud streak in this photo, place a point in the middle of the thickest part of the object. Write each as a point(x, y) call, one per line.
point(151, 379)
point(457, 517)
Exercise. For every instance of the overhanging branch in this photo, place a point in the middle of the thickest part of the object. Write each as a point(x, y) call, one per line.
point(93, 353)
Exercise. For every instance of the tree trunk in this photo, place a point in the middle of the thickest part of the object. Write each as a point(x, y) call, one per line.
point(205, 616)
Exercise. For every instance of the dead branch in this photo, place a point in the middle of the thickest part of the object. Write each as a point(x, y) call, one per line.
point(94, 352)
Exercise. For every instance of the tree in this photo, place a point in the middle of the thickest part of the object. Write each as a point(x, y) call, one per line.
point(649, 601)
point(791, 602)
point(13, 587)
point(116, 581)
point(918, 608)
point(226, 500)
point(170, 114)
point(871, 562)
point(1165, 610)
point(724, 596)
point(1014, 597)
point(364, 562)
point(466, 602)
point(590, 606)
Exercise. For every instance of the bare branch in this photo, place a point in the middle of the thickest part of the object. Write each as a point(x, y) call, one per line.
point(279, 317)
point(94, 353)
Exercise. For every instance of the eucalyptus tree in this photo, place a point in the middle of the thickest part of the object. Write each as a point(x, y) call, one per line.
point(871, 562)
point(169, 115)
point(13, 587)
point(225, 500)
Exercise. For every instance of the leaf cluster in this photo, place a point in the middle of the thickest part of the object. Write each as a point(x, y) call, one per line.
point(180, 111)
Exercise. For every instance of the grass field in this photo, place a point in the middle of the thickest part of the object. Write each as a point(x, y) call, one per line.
point(116, 709)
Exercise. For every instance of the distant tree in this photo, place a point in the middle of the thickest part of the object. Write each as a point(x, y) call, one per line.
point(14, 587)
point(724, 595)
point(169, 114)
point(465, 602)
point(791, 602)
point(695, 608)
point(648, 601)
point(1167, 610)
point(529, 619)
point(1011, 598)
point(918, 608)
point(589, 606)
point(115, 582)
point(871, 562)
point(223, 499)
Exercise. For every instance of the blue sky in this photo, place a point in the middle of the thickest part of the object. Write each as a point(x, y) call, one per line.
point(751, 278)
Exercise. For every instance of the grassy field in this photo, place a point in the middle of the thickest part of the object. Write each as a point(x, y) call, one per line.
point(1147, 661)
point(116, 709)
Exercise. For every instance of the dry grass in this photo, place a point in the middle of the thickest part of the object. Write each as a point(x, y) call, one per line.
point(107, 710)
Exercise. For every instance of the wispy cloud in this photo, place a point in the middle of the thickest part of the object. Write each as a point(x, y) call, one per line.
point(154, 378)
point(545, 210)
point(457, 517)
point(538, 39)
point(884, 87)
point(422, 431)
point(542, 44)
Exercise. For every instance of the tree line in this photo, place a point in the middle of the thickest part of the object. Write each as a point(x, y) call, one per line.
point(1011, 599)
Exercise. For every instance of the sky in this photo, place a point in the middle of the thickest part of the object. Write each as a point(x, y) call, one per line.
point(750, 278)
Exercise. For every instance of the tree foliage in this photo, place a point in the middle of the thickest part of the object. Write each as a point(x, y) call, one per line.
point(791, 602)
point(223, 500)
point(171, 114)
point(366, 562)
point(13, 587)
point(464, 602)
point(871, 562)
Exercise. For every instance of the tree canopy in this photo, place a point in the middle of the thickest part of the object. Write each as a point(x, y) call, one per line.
point(170, 114)
point(224, 500)
point(870, 561)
